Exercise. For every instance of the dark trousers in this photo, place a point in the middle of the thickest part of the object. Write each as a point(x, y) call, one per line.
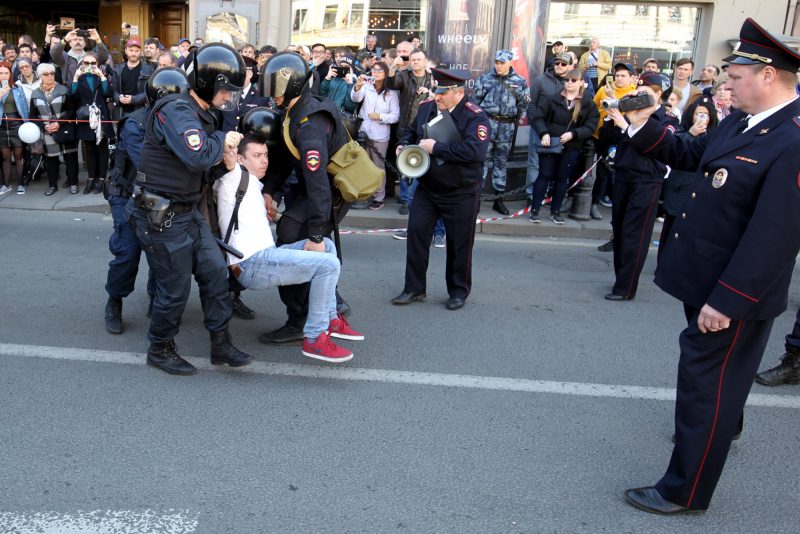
point(173, 254)
point(604, 178)
point(54, 168)
point(124, 245)
point(793, 339)
point(555, 168)
point(715, 373)
point(97, 158)
point(459, 210)
point(633, 216)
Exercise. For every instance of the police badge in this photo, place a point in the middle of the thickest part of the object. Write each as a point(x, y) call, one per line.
point(719, 178)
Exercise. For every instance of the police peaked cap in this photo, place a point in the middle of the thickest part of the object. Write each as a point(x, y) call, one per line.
point(758, 46)
point(447, 79)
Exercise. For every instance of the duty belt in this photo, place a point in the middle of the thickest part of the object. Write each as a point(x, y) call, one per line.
point(175, 207)
point(501, 118)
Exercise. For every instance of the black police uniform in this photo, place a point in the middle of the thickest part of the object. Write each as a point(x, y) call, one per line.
point(313, 203)
point(123, 243)
point(450, 190)
point(637, 187)
point(733, 247)
point(181, 144)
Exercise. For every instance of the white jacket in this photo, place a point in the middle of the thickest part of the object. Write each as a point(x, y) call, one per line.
point(387, 104)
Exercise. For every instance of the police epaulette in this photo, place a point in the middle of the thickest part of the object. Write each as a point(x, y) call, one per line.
point(427, 100)
point(475, 108)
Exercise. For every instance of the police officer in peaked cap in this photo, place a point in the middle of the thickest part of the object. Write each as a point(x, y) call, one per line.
point(312, 205)
point(450, 188)
point(183, 153)
point(729, 258)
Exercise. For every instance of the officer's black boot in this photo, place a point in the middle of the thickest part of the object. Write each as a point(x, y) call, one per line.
point(240, 310)
point(498, 205)
point(114, 315)
point(98, 185)
point(223, 351)
point(788, 372)
point(89, 186)
point(165, 356)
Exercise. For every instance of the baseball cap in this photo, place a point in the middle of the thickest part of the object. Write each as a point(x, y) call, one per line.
point(626, 66)
point(564, 57)
point(504, 55)
point(183, 40)
point(133, 41)
point(655, 78)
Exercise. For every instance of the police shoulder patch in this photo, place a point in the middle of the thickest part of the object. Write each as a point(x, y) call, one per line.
point(312, 160)
point(483, 132)
point(475, 108)
point(193, 139)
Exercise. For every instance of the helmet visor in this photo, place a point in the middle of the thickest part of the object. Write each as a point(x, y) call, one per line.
point(226, 95)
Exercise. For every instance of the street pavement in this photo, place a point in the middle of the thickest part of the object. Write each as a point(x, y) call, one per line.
point(530, 410)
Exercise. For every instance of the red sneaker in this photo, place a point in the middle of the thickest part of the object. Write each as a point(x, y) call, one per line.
point(340, 328)
point(325, 349)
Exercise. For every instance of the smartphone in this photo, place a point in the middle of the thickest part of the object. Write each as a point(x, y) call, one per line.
point(342, 71)
point(405, 58)
point(702, 117)
point(370, 79)
point(610, 79)
point(4, 83)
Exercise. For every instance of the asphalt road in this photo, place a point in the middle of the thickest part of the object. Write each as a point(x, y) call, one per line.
point(530, 410)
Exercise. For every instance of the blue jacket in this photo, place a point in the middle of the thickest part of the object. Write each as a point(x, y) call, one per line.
point(19, 99)
point(735, 242)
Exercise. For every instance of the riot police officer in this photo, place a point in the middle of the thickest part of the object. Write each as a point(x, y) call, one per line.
point(182, 153)
point(450, 189)
point(123, 244)
point(504, 95)
point(313, 207)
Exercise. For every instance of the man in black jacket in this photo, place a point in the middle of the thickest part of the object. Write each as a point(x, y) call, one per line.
point(129, 79)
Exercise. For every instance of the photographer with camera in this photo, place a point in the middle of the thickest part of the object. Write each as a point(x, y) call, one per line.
point(637, 186)
point(380, 107)
point(89, 91)
point(339, 81)
point(80, 42)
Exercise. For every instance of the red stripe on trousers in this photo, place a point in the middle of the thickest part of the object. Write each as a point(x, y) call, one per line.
point(716, 416)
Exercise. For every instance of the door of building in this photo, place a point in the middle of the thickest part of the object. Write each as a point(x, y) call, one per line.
point(169, 22)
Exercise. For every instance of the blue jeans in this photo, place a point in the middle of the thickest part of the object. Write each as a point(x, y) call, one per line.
point(407, 196)
point(533, 162)
point(124, 245)
point(289, 265)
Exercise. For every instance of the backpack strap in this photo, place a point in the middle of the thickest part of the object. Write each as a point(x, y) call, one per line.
point(240, 191)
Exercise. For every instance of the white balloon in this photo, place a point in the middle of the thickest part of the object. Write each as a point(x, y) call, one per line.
point(29, 132)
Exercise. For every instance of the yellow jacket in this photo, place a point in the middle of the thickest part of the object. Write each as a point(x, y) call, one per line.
point(602, 95)
point(603, 63)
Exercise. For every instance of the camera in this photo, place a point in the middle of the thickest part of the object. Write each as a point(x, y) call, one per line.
point(341, 70)
point(127, 26)
point(370, 79)
point(629, 102)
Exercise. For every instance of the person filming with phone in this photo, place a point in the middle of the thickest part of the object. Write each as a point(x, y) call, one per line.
point(339, 81)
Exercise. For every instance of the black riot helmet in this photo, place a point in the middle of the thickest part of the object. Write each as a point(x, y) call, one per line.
point(264, 122)
point(284, 75)
point(216, 67)
point(166, 81)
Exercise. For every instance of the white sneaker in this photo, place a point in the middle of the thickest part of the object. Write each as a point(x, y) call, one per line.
point(4, 189)
point(21, 190)
point(439, 241)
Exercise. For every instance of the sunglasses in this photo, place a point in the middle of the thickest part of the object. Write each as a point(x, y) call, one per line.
point(560, 63)
point(90, 63)
point(48, 74)
point(571, 80)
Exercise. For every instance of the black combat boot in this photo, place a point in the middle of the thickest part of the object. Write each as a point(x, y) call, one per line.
point(165, 356)
point(114, 315)
point(89, 186)
point(498, 205)
point(223, 351)
point(788, 372)
point(241, 310)
point(98, 185)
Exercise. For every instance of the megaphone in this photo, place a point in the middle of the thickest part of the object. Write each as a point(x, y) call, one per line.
point(413, 162)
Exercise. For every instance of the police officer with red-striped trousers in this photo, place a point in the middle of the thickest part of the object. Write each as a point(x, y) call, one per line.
point(729, 258)
point(450, 189)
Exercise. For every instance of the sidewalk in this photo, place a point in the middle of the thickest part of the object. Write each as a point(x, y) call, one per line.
point(387, 217)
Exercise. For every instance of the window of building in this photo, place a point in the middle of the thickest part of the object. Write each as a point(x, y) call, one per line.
point(299, 23)
point(631, 33)
point(329, 20)
point(229, 28)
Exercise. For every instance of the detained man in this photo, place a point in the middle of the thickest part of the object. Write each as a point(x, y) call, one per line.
point(266, 266)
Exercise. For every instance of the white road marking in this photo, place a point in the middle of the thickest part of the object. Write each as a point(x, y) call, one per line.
point(99, 521)
point(395, 377)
